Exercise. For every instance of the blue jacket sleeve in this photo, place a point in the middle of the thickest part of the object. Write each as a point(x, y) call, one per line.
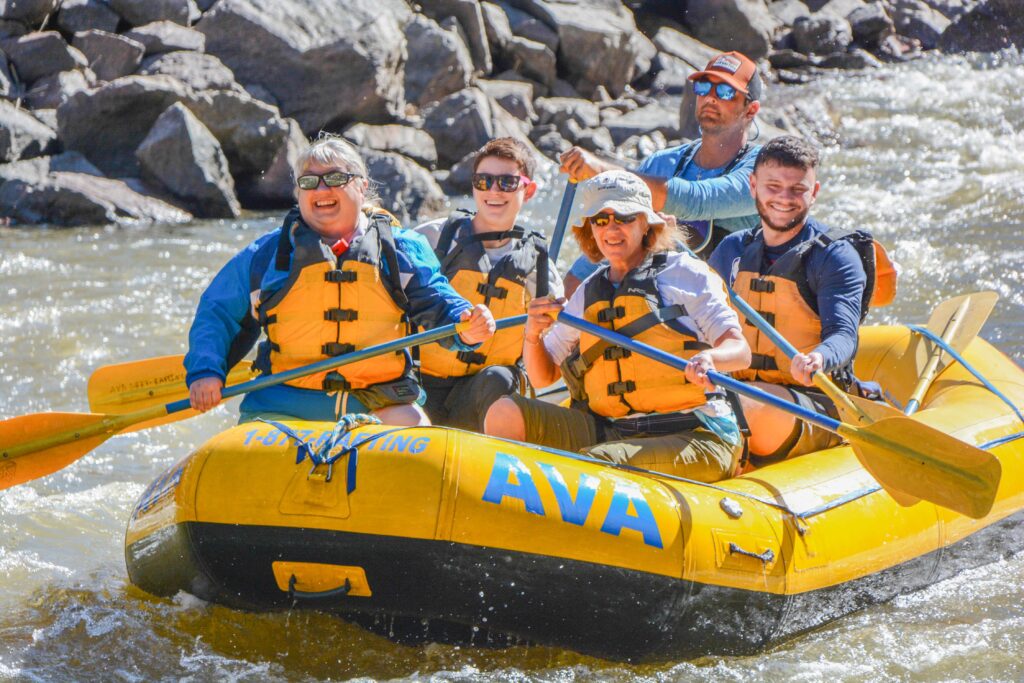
point(837, 275)
point(222, 308)
point(433, 302)
point(727, 196)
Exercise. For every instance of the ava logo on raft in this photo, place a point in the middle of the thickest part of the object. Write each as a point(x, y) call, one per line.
point(629, 509)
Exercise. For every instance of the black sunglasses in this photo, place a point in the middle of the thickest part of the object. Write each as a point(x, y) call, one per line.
point(723, 91)
point(601, 220)
point(331, 179)
point(506, 183)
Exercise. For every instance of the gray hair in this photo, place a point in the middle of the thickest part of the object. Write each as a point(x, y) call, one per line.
point(333, 150)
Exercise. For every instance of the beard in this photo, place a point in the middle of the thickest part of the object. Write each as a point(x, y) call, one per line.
point(795, 222)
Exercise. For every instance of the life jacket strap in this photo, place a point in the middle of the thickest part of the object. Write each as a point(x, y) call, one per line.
point(471, 357)
point(762, 286)
point(761, 361)
point(336, 349)
point(338, 276)
point(770, 317)
point(341, 315)
point(620, 388)
point(491, 291)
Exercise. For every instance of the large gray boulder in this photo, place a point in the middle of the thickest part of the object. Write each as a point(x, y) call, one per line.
point(107, 124)
point(49, 92)
point(406, 189)
point(497, 27)
point(684, 47)
point(871, 24)
point(181, 155)
point(438, 63)
point(515, 96)
point(197, 70)
point(915, 19)
point(598, 42)
point(70, 199)
point(275, 187)
point(110, 55)
point(525, 25)
point(556, 110)
point(743, 25)
point(251, 132)
point(40, 54)
point(822, 34)
point(788, 11)
point(462, 122)
point(140, 12)
point(27, 12)
point(532, 59)
point(469, 15)
point(167, 36)
point(85, 15)
point(405, 140)
point(36, 169)
point(992, 25)
point(22, 136)
point(653, 117)
point(349, 64)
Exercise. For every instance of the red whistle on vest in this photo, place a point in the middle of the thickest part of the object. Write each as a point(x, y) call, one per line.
point(339, 247)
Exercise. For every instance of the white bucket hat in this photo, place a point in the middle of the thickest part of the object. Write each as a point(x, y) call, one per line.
point(621, 191)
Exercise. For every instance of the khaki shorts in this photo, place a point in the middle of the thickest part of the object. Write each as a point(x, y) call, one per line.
point(693, 454)
point(805, 437)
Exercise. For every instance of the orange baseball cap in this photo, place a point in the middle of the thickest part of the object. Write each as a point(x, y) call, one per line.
point(735, 69)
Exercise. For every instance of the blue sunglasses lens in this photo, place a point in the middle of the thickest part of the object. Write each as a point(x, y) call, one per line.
point(723, 91)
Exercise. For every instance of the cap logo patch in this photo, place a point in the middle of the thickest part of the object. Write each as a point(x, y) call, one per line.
point(726, 63)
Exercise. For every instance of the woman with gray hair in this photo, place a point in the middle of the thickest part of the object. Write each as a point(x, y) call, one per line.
point(338, 275)
point(626, 407)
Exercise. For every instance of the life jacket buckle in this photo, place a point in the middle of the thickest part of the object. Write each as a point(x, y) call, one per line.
point(616, 353)
point(337, 276)
point(491, 291)
point(335, 381)
point(620, 388)
point(336, 349)
point(341, 315)
point(762, 286)
point(471, 357)
point(611, 313)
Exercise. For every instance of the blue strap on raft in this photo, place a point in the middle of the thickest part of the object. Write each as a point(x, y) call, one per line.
point(934, 338)
point(323, 453)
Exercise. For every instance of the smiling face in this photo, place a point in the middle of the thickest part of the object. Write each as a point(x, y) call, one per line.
point(716, 116)
point(621, 244)
point(333, 212)
point(784, 196)
point(496, 211)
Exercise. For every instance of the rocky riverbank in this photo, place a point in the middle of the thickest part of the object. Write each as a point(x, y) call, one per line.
point(165, 110)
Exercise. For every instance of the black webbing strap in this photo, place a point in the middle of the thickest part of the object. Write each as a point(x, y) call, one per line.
point(633, 329)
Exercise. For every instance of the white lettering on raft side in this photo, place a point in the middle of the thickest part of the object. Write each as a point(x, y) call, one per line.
point(511, 478)
point(401, 443)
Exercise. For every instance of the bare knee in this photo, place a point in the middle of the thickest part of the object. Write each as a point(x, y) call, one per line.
point(403, 415)
point(505, 419)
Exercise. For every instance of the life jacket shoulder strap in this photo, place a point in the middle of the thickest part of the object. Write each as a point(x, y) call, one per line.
point(381, 224)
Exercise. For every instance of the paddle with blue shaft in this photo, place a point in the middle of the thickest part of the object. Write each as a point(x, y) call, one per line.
point(904, 454)
point(564, 210)
point(33, 446)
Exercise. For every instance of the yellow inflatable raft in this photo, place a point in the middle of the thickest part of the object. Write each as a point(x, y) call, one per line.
point(451, 533)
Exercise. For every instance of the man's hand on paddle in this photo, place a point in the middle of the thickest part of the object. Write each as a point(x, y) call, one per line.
point(481, 325)
point(804, 366)
point(542, 313)
point(583, 165)
point(204, 393)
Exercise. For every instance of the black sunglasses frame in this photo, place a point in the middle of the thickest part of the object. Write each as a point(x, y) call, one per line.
point(716, 88)
point(619, 218)
point(506, 181)
point(330, 179)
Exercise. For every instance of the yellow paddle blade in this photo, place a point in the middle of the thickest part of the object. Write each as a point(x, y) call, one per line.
point(919, 461)
point(26, 452)
point(979, 308)
point(129, 387)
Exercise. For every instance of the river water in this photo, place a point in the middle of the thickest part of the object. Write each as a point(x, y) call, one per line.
point(931, 159)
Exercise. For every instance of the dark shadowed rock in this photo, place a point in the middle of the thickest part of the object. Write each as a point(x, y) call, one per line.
point(250, 132)
point(8, 87)
point(460, 123)
point(167, 36)
point(743, 25)
point(684, 47)
point(110, 55)
point(788, 11)
point(598, 43)
point(842, 8)
point(499, 31)
point(548, 140)
point(141, 12)
point(531, 59)
point(27, 12)
point(670, 74)
point(558, 109)
point(915, 19)
point(359, 52)
point(108, 123)
point(180, 154)
point(469, 15)
point(85, 15)
point(438, 64)
point(197, 70)
point(595, 139)
point(515, 96)
point(40, 54)
point(49, 92)
point(406, 189)
point(870, 24)
point(22, 135)
point(791, 59)
point(530, 27)
point(275, 187)
point(406, 140)
point(70, 199)
point(644, 120)
point(992, 25)
point(854, 59)
point(952, 9)
point(822, 34)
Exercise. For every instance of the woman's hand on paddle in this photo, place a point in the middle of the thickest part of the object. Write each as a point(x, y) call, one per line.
point(582, 165)
point(698, 368)
point(481, 325)
point(542, 313)
point(204, 393)
point(804, 366)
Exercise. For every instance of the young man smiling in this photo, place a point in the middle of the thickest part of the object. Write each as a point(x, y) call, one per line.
point(703, 183)
point(808, 282)
point(492, 261)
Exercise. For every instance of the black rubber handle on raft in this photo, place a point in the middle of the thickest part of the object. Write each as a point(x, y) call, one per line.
point(339, 592)
point(766, 557)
